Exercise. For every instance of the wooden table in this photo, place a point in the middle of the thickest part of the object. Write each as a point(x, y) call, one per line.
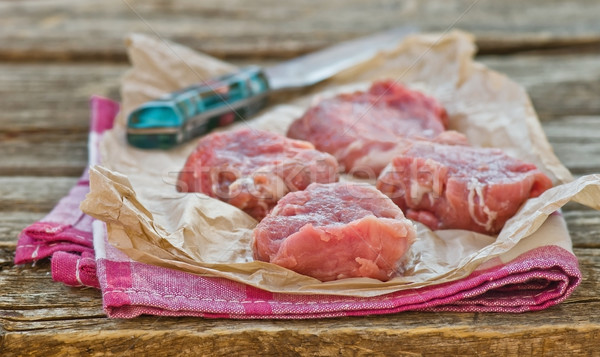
point(55, 54)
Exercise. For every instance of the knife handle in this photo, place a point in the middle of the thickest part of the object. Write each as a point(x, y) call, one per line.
point(187, 113)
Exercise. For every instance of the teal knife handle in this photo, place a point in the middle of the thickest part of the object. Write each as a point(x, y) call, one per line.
point(182, 115)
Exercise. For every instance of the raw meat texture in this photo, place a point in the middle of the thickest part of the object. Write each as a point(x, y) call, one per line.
point(253, 169)
point(365, 130)
point(445, 186)
point(334, 231)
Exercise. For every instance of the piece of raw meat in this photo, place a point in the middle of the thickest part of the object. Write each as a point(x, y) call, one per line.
point(445, 186)
point(365, 130)
point(334, 231)
point(252, 169)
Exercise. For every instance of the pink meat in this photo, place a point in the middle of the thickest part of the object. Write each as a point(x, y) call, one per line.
point(334, 231)
point(445, 186)
point(365, 130)
point(253, 169)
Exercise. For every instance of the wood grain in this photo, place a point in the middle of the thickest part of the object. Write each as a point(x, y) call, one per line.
point(45, 319)
point(575, 142)
point(89, 337)
point(65, 154)
point(54, 55)
point(33, 194)
point(584, 227)
point(559, 85)
point(12, 223)
point(43, 125)
point(43, 154)
point(89, 30)
point(54, 97)
point(43, 293)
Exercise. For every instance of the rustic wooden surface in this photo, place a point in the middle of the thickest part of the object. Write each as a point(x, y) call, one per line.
point(54, 55)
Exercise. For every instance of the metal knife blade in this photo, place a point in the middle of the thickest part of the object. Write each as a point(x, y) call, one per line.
point(317, 66)
point(187, 113)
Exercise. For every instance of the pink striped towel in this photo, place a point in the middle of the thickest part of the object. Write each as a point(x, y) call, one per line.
point(535, 280)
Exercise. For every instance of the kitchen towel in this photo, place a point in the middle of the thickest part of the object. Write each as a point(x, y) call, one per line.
point(540, 278)
point(65, 234)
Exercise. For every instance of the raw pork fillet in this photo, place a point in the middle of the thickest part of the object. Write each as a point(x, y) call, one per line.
point(364, 130)
point(444, 186)
point(334, 231)
point(253, 169)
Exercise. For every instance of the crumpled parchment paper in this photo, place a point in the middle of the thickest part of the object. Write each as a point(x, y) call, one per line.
point(134, 190)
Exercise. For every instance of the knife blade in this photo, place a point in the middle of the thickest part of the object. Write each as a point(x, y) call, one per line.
point(192, 111)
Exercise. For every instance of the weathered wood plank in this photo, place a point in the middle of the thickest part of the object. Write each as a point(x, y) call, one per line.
point(33, 194)
point(43, 128)
point(573, 129)
point(584, 227)
point(577, 156)
point(43, 154)
point(44, 295)
point(340, 337)
point(54, 97)
point(87, 30)
point(427, 334)
point(43, 123)
point(589, 289)
point(575, 142)
point(65, 154)
point(560, 85)
point(11, 223)
point(43, 322)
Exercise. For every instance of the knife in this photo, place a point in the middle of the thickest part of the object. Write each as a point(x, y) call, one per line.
point(187, 113)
